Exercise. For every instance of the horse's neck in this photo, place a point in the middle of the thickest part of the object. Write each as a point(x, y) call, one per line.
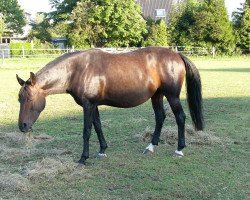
point(53, 80)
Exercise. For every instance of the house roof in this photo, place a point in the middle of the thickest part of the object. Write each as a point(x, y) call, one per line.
point(149, 8)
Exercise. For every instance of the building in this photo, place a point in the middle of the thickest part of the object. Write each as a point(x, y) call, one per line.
point(23, 36)
point(156, 9)
point(59, 42)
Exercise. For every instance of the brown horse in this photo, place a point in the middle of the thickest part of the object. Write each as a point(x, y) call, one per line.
point(124, 80)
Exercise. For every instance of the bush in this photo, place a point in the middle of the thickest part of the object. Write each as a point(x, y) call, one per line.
point(16, 48)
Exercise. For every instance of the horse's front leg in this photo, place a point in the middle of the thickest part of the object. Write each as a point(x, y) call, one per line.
point(88, 109)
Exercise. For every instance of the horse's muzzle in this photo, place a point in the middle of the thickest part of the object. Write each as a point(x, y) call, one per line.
point(24, 127)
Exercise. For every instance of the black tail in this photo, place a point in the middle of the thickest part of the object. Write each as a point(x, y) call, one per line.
point(194, 95)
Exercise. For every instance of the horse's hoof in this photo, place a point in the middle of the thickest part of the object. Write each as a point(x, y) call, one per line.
point(80, 166)
point(101, 156)
point(147, 152)
point(178, 153)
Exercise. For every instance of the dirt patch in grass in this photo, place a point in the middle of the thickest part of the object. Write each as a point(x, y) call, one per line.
point(14, 182)
point(170, 136)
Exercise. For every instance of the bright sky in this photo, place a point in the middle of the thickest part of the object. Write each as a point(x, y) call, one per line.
point(34, 6)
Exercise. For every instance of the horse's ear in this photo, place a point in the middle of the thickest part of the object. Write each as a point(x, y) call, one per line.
point(32, 78)
point(20, 81)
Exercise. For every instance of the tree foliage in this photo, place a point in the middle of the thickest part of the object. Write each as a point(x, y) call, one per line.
point(84, 31)
point(14, 18)
point(203, 23)
point(241, 21)
point(62, 10)
point(182, 22)
point(40, 29)
point(213, 26)
point(157, 34)
point(44, 30)
point(106, 23)
point(2, 26)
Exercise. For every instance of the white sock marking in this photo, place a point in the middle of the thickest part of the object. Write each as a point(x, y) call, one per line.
point(102, 154)
point(151, 147)
point(179, 153)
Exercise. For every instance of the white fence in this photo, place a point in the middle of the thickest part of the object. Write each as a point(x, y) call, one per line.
point(36, 54)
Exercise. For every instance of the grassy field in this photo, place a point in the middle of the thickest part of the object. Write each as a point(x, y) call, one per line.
point(215, 165)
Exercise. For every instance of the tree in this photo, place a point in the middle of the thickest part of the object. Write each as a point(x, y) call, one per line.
point(241, 22)
point(203, 23)
point(107, 23)
point(40, 29)
point(84, 31)
point(44, 30)
point(63, 10)
point(182, 22)
point(2, 26)
point(212, 26)
point(157, 34)
point(13, 15)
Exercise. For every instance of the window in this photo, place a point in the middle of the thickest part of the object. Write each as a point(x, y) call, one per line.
point(160, 12)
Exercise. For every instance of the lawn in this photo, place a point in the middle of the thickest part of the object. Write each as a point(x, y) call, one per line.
point(215, 165)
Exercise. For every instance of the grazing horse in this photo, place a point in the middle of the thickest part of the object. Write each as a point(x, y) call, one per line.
point(124, 80)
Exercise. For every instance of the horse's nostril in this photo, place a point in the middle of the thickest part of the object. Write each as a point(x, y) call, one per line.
point(23, 126)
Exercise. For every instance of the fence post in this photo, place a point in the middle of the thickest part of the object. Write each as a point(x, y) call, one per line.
point(2, 56)
point(22, 52)
point(176, 48)
point(73, 49)
point(213, 51)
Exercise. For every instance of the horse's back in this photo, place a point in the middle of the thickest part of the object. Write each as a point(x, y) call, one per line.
point(129, 79)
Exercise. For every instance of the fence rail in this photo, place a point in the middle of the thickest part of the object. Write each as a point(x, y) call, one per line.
point(7, 54)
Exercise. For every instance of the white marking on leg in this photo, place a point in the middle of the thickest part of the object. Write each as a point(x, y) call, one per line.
point(102, 154)
point(150, 147)
point(179, 153)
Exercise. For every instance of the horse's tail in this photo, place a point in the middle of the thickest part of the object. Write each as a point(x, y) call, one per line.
point(194, 93)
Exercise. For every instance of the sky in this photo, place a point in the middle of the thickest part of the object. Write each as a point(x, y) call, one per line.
point(34, 6)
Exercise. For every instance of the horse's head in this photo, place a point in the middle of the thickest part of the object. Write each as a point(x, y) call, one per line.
point(32, 102)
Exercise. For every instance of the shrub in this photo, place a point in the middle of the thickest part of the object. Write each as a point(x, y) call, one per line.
point(16, 48)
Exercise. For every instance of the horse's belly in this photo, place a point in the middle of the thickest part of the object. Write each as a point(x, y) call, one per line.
point(127, 100)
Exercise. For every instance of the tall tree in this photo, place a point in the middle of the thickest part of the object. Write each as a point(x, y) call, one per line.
point(241, 21)
point(182, 22)
point(157, 34)
point(203, 23)
point(40, 29)
point(62, 10)
point(2, 26)
point(44, 30)
point(107, 23)
point(213, 27)
point(13, 15)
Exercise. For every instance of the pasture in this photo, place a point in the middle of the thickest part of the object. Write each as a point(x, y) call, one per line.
point(215, 165)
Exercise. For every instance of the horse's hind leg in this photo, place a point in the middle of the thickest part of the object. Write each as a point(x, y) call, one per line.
point(98, 130)
point(180, 117)
point(157, 103)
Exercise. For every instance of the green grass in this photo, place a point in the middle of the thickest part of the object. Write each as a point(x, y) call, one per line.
point(218, 171)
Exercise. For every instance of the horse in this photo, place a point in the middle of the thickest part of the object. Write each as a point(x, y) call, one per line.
point(124, 80)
